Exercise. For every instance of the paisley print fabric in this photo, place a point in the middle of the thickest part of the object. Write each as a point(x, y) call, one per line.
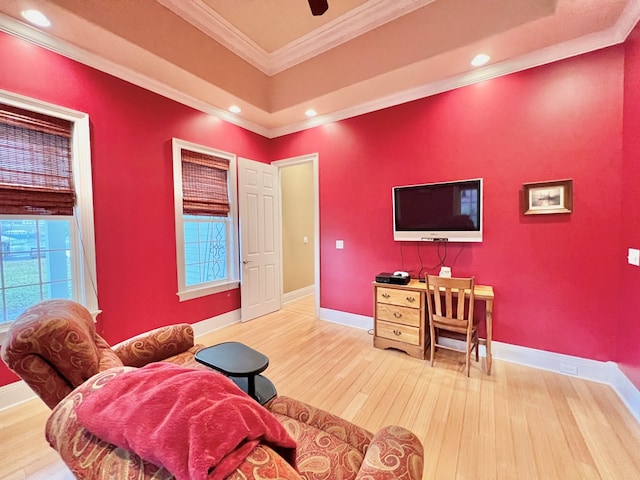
point(53, 346)
point(333, 447)
point(330, 447)
point(394, 452)
point(165, 343)
point(90, 458)
point(344, 431)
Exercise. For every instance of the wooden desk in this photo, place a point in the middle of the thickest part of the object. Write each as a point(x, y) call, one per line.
point(482, 293)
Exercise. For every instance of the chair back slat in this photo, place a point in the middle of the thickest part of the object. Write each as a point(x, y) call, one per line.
point(461, 304)
point(448, 300)
point(437, 300)
point(457, 295)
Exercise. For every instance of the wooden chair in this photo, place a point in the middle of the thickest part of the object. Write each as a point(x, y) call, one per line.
point(450, 306)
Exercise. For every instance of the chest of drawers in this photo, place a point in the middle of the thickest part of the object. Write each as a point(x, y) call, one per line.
point(399, 318)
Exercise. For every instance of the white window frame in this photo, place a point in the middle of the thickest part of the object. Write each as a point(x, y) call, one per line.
point(184, 292)
point(82, 233)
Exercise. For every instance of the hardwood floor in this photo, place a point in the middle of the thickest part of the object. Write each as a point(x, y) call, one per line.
point(25, 452)
point(518, 423)
point(305, 305)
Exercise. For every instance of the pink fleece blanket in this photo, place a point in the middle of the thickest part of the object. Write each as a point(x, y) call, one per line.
point(196, 423)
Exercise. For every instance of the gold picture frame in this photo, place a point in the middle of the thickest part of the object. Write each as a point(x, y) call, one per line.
point(555, 196)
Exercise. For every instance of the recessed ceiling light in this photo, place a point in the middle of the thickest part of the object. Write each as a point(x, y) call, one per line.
point(480, 59)
point(36, 17)
point(235, 109)
point(311, 113)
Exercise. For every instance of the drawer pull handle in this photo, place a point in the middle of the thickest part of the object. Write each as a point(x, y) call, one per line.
point(411, 299)
point(397, 333)
point(386, 295)
point(397, 314)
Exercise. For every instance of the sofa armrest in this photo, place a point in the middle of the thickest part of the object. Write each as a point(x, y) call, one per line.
point(41, 378)
point(155, 345)
point(347, 432)
point(394, 453)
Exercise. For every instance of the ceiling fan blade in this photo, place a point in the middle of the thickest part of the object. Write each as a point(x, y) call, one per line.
point(318, 7)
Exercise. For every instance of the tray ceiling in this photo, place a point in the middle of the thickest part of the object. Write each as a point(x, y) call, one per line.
point(275, 60)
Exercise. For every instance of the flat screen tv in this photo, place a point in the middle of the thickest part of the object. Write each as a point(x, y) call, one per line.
point(446, 212)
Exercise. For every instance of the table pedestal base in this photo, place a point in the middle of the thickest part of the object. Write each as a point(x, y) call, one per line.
point(264, 389)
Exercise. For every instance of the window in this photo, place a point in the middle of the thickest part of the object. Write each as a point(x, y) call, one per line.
point(206, 219)
point(469, 203)
point(46, 210)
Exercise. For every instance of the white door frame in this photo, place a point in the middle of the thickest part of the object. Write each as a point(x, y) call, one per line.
point(287, 162)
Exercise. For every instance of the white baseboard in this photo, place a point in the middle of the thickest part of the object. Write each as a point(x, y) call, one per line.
point(343, 318)
point(19, 392)
point(216, 323)
point(627, 392)
point(15, 393)
point(602, 372)
point(298, 294)
point(596, 371)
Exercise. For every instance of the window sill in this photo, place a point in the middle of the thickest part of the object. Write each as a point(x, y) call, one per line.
point(192, 293)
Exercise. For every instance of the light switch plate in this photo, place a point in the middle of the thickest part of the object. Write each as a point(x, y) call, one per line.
point(634, 257)
point(340, 244)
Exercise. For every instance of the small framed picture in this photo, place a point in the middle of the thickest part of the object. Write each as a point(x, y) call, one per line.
point(547, 197)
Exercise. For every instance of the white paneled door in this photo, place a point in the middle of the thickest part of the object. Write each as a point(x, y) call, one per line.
point(258, 200)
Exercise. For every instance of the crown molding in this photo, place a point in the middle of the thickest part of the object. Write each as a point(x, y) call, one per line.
point(628, 20)
point(354, 23)
point(212, 24)
point(360, 20)
point(66, 49)
point(615, 35)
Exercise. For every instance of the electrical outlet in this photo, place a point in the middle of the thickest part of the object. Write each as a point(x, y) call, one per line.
point(568, 369)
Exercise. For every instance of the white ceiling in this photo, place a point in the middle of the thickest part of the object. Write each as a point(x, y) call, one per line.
point(275, 60)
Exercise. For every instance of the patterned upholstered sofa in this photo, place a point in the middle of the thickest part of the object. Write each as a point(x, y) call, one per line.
point(53, 346)
point(328, 446)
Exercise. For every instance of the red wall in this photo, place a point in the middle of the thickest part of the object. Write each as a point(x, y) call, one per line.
point(558, 121)
point(629, 323)
point(131, 132)
point(562, 120)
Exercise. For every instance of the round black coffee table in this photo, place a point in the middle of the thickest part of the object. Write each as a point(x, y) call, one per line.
point(243, 365)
